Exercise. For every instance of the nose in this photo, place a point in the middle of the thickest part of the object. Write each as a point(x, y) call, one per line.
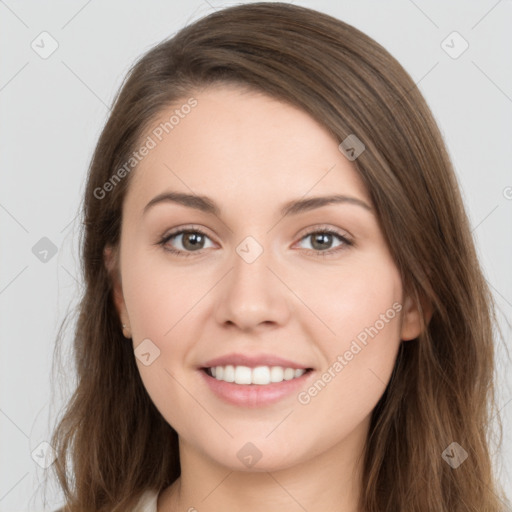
point(253, 294)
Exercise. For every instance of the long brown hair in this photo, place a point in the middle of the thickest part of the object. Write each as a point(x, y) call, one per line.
point(111, 441)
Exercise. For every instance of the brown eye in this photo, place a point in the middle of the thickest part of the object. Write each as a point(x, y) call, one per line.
point(322, 241)
point(192, 240)
point(187, 240)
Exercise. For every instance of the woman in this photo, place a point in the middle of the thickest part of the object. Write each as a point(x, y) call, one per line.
point(222, 364)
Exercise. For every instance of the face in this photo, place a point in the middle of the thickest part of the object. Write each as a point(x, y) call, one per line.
point(252, 285)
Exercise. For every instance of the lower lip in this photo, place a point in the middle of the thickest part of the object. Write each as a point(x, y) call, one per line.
point(254, 395)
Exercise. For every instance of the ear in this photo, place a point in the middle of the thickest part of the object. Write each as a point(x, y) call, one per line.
point(415, 317)
point(111, 260)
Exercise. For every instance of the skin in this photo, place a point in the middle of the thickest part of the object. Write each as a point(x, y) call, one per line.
point(251, 154)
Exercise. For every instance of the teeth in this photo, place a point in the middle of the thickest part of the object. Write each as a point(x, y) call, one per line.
point(260, 375)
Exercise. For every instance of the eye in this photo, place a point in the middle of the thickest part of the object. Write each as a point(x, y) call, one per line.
point(191, 240)
point(322, 239)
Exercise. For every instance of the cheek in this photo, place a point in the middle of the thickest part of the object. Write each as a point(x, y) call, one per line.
point(363, 309)
point(355, 298)
point(158, 296)
point(161, 306)
point(162, 302)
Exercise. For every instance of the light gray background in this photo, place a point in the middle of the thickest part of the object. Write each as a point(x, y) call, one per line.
point(52, 111)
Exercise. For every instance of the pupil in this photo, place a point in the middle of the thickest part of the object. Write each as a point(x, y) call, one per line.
point(193, 239)
point(321, 237)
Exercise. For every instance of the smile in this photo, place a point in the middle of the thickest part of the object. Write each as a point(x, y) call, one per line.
point(255, 387)
point(260, 375)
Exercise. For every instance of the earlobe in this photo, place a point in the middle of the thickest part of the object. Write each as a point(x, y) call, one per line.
point(414, 319)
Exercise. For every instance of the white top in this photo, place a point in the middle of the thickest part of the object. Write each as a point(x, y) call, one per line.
point(147, 502)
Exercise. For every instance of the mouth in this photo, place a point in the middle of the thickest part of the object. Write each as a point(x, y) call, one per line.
point(255, 387)
point(257, 376)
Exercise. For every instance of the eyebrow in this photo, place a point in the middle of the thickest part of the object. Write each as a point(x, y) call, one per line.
point(207, 205)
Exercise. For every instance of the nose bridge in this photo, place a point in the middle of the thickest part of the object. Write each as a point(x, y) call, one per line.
point(252, 294)
point(250, 279)
point(251, 262)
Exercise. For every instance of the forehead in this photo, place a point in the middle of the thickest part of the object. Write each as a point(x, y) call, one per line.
point(242, 145)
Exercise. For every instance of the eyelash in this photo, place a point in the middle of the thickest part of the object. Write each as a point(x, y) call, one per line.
point(346, 242)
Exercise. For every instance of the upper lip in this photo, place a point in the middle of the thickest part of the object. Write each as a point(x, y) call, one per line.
point(253, 361)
